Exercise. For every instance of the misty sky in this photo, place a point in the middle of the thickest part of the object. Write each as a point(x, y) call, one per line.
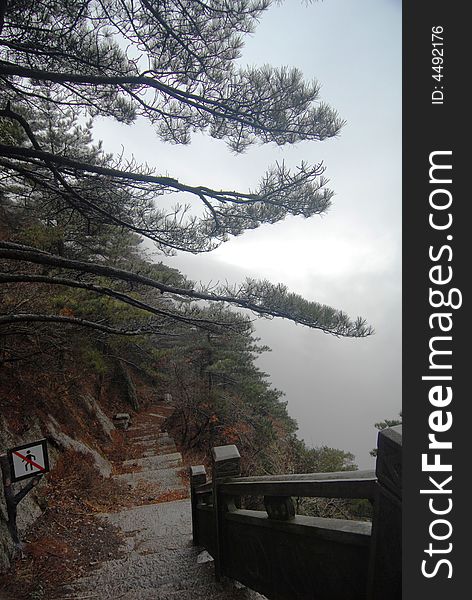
point(351, 257)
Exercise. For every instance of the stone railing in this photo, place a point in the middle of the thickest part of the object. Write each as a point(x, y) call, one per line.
point(293, 557)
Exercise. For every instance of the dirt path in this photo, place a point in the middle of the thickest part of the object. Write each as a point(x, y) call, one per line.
point(159, 561)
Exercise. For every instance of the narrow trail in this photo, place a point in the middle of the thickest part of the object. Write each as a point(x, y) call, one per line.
point(160, 562)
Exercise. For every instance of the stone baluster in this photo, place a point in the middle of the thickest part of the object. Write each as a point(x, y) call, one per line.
point(226, 463)
point(279, 508)
point(197, 477)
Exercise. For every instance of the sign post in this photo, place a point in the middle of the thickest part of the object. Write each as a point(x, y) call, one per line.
point(23, 462)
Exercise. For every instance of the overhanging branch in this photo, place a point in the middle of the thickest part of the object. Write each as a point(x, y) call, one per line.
point(219, 108)
point(311, 314)
point(20, 152)
point(115, 294)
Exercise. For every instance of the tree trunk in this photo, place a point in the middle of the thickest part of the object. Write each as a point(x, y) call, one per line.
point(130, 388)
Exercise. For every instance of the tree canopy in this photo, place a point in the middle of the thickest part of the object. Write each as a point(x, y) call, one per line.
point(176, 64)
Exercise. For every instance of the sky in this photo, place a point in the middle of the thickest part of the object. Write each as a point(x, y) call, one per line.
point(350, 258)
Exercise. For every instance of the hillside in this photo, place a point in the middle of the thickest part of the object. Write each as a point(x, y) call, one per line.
point(91, 323)
point(70, 392)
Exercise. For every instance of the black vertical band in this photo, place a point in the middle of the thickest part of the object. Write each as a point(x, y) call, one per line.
point(436, 334)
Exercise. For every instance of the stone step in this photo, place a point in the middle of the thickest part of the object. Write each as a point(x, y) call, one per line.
point(166, 479)
point(155, 577)
point(185, 583)
point(157, 461)
point(171, 575)
point(159, 451)
point(160, 562)
point(169, 591)
point(150, 435)
point(164, 439)
point(166, 449)
point(154, 431)
point(150, 447)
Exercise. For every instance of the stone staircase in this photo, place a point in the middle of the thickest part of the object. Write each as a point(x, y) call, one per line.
point(160, 562)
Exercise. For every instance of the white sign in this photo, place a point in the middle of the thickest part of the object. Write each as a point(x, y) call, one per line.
point(29, 460)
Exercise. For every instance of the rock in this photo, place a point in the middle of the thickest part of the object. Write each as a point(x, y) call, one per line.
point(95, 410)
point(66, 442)
point(204, 557)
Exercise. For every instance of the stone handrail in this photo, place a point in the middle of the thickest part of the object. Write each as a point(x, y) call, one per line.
point(289, 556)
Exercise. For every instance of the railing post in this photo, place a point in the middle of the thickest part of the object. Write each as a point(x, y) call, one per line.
point(226, 463)
point(385, 568)
point(197, 477)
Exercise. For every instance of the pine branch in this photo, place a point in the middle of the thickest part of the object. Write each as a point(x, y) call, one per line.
point(260, 298)
point(218, 108)
point(36, 318)
point(115, 294)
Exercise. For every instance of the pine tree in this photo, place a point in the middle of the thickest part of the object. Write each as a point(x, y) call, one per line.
point(174, 63)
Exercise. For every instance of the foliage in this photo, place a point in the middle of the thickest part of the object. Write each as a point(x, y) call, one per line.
point(222, 396)
point(175, 64)
point(324, 459)
point(321, 459)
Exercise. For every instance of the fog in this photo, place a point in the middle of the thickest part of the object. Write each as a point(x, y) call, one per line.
point(351, 257)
